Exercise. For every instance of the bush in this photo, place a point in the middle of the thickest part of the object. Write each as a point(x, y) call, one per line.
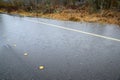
point(73, 19)
point(96, 5)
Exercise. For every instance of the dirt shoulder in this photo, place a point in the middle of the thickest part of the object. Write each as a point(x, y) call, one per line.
point(105, 16)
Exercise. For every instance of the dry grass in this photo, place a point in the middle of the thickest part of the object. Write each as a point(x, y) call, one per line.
point(111, 17)
point(2, 10)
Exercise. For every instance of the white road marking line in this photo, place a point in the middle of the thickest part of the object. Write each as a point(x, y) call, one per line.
point(83, 32)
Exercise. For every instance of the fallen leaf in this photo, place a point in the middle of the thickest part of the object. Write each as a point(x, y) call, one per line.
point(14, 45)
point(41, 67)
point(25, 54)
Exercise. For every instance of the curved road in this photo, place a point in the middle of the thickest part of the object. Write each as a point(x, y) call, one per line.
point(67, 50)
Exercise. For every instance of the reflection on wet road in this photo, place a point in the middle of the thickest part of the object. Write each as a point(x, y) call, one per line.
point(32, 51)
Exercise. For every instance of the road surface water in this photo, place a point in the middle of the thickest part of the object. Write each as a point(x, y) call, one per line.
point(65, 54)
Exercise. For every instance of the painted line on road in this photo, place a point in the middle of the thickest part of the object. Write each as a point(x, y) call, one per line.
point(83, 32)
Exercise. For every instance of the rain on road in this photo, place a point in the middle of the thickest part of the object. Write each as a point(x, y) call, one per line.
point(35, 51)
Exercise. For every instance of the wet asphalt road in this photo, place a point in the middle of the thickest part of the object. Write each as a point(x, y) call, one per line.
point(66, 55)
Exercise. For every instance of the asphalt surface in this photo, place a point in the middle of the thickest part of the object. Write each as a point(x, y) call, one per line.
point(65, 54)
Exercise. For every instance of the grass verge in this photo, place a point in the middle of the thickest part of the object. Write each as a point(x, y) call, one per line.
point(105, 16)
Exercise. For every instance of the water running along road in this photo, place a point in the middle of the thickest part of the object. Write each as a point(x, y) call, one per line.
point(67, 50)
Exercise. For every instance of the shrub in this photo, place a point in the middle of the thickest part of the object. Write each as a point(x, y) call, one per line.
point(73, 19)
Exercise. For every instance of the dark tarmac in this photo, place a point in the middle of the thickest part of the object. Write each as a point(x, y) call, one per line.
point(65, 54)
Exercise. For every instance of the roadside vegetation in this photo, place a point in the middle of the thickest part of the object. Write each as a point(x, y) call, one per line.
point(102, 11)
